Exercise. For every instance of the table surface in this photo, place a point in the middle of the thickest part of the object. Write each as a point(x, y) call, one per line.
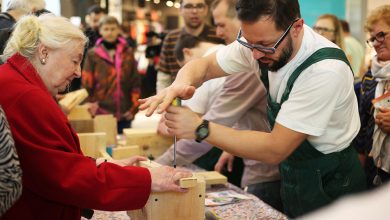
point(251, 209)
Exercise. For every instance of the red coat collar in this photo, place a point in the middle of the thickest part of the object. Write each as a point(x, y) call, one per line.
point(24, 67)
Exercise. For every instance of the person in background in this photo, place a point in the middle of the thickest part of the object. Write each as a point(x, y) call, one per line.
point(329, 26)
point(58, 180)
point(188, 48)
point(15, 10)
point(372, 141)
point(312, 109)
point(18, 8)
point(355, 48)
point(94, 14)
point(110, 75)
point(194, 13)
point(10, 171)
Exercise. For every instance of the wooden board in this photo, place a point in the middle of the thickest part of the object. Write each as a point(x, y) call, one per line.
point(174, 205)
point(79, 112)
point(123, 152)
point(72, 99)
point(151, 143)
point(212, 177)
point(92, 144)
point(83, 126)
point(106, 123)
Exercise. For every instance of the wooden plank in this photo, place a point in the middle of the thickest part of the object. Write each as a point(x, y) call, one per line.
point(82, 126)
point(92, 143)
point(125, 152)
point(107, 124)
point(151, 143)
point(72, 99)
point(79, 112)
point(212, 177)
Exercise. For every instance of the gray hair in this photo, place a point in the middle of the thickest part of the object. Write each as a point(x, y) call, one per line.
point(26, 6)
point(52, 31)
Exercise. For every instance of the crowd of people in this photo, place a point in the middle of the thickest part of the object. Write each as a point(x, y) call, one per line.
point(272, 104)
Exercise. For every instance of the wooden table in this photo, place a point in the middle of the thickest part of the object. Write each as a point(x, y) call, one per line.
point(252, 209)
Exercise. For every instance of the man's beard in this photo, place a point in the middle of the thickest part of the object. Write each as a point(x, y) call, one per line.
point(284, 57)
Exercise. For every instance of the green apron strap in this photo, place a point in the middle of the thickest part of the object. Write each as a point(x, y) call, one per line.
point(319, 55)
point(264, 76)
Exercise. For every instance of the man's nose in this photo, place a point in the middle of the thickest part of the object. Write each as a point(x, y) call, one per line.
point(257, 54)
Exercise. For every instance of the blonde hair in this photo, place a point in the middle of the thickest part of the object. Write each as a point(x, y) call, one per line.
point(26, 6)
point(52, 31)
point(381, 13)
point(338, 29)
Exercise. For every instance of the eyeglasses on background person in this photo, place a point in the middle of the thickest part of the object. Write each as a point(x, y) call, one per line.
point(321, 30)
point(261, 48)
point(198, 7)
point(379, 37)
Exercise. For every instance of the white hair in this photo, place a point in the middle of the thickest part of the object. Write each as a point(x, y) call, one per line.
point(52, 31)
point(26, 6)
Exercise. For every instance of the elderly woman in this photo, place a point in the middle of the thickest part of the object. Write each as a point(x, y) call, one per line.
point(42, 57)
point(373, 139)
point(10, 171)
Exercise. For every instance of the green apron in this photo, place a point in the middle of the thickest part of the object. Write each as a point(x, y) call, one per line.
point(311, 179)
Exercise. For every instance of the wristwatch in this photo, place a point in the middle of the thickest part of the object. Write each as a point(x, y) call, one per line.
point(202, 131)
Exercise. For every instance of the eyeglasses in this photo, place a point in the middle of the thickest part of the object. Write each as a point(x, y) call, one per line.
point(261, 48)
point(379, 37)
point(322, 29)
point(198, 7)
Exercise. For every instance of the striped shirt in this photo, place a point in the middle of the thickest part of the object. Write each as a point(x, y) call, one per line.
point(10, 171)
point(168, 62)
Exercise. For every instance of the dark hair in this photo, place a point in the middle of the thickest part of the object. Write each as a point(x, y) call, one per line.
point(95, 9)
point(185, 41)
point(108, 20)
point(283, 12)
point(345, 25)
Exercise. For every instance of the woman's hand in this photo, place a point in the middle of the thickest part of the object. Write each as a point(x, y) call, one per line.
point(182, 122)
point(166, 178)
point(383, 119)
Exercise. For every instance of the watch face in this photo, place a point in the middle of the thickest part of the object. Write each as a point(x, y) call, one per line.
point(203, 132)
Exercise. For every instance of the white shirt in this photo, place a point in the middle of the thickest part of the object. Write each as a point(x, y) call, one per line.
point(206, 94)
point(322, 102)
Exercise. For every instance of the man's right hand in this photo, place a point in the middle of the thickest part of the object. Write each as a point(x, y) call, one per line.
point(163, 99)
point(166, 178)
point(225, 159)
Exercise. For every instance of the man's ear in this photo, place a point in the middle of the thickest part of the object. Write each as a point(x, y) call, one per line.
point(187, 52)
point(297, 27)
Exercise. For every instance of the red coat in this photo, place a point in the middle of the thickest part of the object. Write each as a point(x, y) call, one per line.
point(57, 179)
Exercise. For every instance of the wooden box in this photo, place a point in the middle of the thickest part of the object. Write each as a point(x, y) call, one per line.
point(93, 144)
point(174, 205)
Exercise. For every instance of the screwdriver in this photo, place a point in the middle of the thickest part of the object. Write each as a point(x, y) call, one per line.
point(176, 102)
